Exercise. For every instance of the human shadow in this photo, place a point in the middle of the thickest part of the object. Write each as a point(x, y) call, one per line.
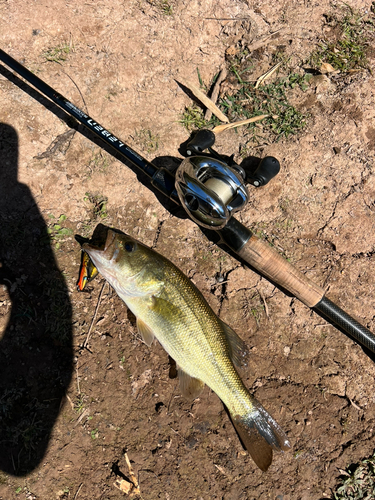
point(35, 322)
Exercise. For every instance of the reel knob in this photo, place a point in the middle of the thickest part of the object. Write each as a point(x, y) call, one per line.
point(202, 140)
point(267, 169)
point(210, 191)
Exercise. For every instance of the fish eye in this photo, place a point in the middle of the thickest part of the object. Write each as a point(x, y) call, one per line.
point(129, 246)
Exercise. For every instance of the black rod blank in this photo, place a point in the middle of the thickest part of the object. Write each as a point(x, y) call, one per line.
point(147, 167)
point(334, 313)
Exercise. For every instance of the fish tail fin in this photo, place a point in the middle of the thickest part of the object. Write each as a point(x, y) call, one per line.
point(260, 434)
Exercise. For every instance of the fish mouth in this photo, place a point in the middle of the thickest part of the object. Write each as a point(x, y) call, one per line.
point(97, 251)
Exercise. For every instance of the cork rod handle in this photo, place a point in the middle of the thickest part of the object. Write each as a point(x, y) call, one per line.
point(271, 264)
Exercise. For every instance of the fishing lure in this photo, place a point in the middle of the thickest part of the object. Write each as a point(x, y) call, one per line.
point(87, 272)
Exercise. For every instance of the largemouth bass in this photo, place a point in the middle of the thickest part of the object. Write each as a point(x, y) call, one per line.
point(169, 307)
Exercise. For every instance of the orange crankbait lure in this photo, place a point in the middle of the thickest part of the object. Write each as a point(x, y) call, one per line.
point(87, 272)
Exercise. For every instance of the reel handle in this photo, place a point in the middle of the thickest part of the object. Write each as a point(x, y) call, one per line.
point(203, 139)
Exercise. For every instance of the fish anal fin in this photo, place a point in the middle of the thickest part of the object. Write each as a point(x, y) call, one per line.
point(238, 350)
point(190, 387)
point(260, 434)
point(146, 333)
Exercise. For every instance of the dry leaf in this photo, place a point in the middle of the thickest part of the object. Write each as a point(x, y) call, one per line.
point(123, 486)
point(326, 68)
point(143, 380)
point(221, 128)
point(232, 51)
point(129, 488)
point(205, 100)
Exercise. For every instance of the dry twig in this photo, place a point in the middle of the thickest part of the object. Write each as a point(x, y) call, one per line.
point(70, 401)
point(264, 302)
point(82, 416)
point(205, 100)
point(267, 74)
point(76, 495)
point(93, 319)
point(221, 128)
point(125, 486)
point(215, 92)
point(259, 43)
point(78, 387)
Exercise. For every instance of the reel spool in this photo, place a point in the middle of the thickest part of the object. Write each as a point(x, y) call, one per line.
point(210, 190)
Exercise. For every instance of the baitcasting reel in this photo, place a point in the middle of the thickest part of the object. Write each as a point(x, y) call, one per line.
point(210, 189)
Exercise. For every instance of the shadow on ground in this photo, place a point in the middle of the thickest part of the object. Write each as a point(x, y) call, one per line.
point(35, 322)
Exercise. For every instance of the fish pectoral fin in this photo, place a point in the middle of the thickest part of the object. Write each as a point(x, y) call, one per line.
point(260, 434)
point(166, 308)
point(238, 350)
point(145, 331)
point(190, 387)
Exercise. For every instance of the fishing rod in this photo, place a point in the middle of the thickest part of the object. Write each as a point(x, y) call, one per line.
point(211, 189)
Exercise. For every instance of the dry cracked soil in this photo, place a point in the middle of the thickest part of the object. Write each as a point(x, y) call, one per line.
point(69, 414)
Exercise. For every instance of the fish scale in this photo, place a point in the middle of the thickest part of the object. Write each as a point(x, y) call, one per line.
point(186, 341)
point(169, 307)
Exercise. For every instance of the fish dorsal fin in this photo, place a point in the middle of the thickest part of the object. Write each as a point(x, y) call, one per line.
point(190, 387)
point(238, 351)
point(146, 333)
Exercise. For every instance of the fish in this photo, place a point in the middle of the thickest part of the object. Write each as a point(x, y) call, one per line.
point(87, 272)
point(170, 308)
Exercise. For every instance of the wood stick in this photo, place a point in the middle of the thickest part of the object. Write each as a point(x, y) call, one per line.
point(226, 126)
point(216, 90)
point(93, 319)
point(205, 100)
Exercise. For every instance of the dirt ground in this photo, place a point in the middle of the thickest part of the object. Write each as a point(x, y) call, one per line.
point(69, 414)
